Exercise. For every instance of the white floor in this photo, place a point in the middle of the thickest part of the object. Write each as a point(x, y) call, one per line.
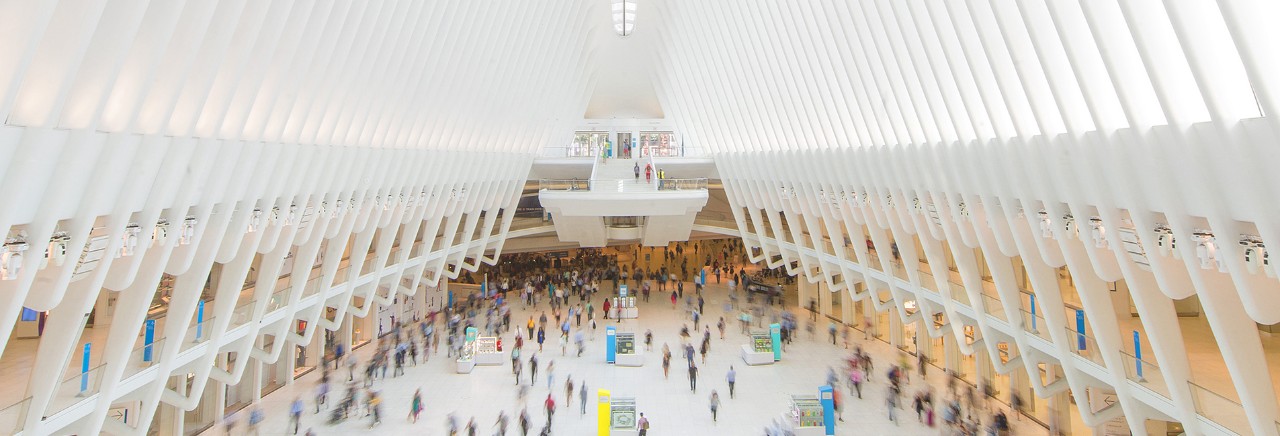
point(762, 392)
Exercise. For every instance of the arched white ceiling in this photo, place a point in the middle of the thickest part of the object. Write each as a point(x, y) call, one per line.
point(452, 74)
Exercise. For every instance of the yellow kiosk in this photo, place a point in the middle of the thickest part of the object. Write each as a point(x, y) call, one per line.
point(616, 416)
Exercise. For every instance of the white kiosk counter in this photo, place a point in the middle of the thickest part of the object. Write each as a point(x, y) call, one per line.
point(486, 352)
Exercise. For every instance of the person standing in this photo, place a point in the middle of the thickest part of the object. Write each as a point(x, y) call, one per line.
point(636, 169)
point(715, 404)
point(295, 413)
point(693, 376)
point(643, 424)
point(732, 377)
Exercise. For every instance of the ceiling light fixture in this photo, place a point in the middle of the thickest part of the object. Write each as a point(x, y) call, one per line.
point(624, 17)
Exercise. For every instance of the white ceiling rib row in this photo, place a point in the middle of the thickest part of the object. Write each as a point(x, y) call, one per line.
point(824, 74)
point(401, 73)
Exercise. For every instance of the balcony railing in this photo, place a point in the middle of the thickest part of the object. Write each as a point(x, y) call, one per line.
point(1219, 409)
point(671, 151)
point(682, 184)
point(564, 185)
point(13, 417)
point(571, 151)
point(1090, 349)
point(1144, 373)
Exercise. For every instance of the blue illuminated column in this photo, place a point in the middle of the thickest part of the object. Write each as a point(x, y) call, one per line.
point(199, 320)
point(1137, 355)
point(828, 409)
point(84, 370)
point(1033, 314)
point(1080, 342)
point(775, 335)
point(610, 344)
point(148, 338)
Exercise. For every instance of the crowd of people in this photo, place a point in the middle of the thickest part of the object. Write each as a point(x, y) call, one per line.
point(562, 305)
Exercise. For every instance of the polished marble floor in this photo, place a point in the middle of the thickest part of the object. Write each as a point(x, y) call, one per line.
point(762, 391)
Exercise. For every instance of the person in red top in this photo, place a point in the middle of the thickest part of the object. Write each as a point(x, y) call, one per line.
point(606, 308)
point(551, 408)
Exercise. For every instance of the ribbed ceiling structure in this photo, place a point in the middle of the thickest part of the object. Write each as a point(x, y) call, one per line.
point(405, 74)
point(194, 146)
point(830, 74)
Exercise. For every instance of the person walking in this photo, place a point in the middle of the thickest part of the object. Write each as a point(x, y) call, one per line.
point(855, 381)
point(891, 401)
point(524, 422)
point(415, 406)
point(715, 404)
point(533, 369)
point(636, 169)
point(666, 361)
point(542, 337)
point(568, 389)
point(295, 414)
point(693, 377)
point(375, 408)
point(550, 404)
point(322, 392)
point(256, 415)
point(643, 425)
point(515, 360)
point(551, 373)
point(732, 377)
point(582, 394)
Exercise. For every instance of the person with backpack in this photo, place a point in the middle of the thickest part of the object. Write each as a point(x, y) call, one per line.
point(643, 424)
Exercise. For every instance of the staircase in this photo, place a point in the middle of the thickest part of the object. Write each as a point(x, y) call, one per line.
point(618, 175)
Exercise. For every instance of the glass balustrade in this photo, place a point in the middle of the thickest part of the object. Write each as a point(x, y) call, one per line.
point(75, 388)
point(1035, 325)
point(1145, 373)
point(564, 185)
point(1090, 349)
point(958, 293)
point(1224, 411)
point(993, 306)
point(682, 184)
point(142, 357)
point(13, 417)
